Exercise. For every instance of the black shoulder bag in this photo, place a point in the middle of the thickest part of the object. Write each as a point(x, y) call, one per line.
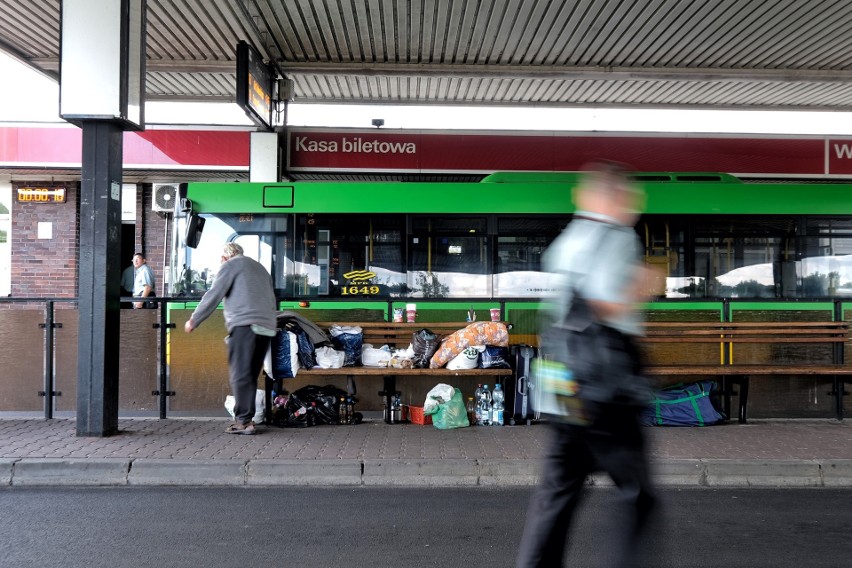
point(586, 364)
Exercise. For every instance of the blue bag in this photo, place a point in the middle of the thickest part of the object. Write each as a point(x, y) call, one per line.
point(285, 355)
point(684, 405)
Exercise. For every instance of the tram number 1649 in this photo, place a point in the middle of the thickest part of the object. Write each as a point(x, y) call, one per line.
point(359, 290)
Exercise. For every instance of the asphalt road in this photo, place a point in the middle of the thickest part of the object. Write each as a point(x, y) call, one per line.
point(376, 527)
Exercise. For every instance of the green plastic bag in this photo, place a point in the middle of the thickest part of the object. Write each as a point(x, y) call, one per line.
point(451, 414)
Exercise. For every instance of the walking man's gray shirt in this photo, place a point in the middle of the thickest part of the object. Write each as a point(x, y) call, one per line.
point(246, 288)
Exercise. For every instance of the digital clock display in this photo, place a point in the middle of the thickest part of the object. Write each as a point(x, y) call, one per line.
point(41, 195)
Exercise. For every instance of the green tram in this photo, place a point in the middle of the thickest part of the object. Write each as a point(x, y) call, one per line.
point(352, 251)
point(715, 237)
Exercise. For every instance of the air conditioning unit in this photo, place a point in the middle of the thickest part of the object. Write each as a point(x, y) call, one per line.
point(164, 196)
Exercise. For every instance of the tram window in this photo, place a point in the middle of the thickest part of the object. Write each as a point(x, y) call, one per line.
point(816, 226)
point(826, 266)
point(448, 225)
point(348, 255)
point(520, 244)
point(448, 257)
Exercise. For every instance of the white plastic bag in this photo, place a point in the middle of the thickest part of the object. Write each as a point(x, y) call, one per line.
point(259, 403)
point(402, 358)
point(439, 393)
point(372, 357)
point(329, 358)
point(467, 359)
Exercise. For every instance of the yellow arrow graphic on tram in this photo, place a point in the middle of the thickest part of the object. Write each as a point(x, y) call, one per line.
point(359, 275)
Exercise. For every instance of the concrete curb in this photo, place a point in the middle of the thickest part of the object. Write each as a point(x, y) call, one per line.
point(187, 472)
point(445, 472)
point(836, 473)
point(55, 472)
point(411, 473)
point(6, 465)
point(303, 472)
point(782, 473)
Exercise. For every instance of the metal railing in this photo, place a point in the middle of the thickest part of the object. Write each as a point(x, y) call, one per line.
point(451, 308)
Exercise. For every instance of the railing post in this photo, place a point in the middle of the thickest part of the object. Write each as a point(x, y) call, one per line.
point(49, 376)
point(163, 367)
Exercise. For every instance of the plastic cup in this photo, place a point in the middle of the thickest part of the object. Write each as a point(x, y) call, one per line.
point(410, 313)
point(495, 314)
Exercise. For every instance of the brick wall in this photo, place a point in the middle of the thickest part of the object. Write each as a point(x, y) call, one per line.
point(45, 267)
point(48, 267)
point(151, 235)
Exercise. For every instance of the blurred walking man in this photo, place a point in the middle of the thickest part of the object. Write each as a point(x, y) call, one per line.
point(597, 256)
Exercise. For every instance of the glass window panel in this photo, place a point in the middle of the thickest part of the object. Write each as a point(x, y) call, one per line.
point(816, 226)
point(348, 255)
point(737, 267)
point(448, 266)
point(826, 269)
point(520, 244)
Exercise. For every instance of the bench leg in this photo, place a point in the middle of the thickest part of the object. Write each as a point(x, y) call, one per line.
point(743, 381)
point(839, 391)
point(727, 390)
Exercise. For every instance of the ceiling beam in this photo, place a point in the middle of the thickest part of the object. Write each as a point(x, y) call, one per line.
point(50, 66)
point(569, 73)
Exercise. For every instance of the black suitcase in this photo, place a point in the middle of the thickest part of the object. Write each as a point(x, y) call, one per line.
point(521, 388)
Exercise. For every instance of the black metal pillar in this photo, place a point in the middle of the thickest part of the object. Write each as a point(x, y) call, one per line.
point(99, 280)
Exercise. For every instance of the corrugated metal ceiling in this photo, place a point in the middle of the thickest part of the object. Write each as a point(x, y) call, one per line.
point(673, 53)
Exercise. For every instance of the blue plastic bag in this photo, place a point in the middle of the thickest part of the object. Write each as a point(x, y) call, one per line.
point(285, 355)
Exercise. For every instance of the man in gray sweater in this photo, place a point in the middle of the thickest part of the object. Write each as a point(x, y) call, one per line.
point(249, 298)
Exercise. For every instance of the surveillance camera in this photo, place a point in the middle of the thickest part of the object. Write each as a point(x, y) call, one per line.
point(378, 122)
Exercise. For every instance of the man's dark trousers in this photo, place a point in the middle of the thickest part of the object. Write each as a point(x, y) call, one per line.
point(246, 351)
point(614, 444)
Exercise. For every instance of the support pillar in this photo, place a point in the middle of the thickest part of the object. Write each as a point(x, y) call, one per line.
point(99, 279)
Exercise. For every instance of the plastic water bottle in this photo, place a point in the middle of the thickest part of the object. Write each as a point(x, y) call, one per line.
point(498, 408)
point(486, 406)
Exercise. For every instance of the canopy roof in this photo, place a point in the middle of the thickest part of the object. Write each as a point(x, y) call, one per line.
point(758, 54)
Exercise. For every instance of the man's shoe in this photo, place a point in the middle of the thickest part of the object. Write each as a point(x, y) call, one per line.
point(245, 429)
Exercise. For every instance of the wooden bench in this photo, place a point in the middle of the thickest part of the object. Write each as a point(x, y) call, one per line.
point(396, 336)
point(731, 368)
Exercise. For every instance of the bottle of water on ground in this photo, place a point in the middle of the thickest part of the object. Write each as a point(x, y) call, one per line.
point(477, 401)
point(485, 407)
point(498, 407)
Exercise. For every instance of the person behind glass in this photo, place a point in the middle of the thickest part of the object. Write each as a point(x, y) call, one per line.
point(607, 273)
point(143, 282)
point(245, 287)
point(127, 279)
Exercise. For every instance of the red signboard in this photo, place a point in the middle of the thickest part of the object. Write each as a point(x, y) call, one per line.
point(429, 151)
point(839, 155)
point(63, 148)
point(423, 151)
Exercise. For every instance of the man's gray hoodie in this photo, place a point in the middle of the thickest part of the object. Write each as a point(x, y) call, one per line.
point(246, 288)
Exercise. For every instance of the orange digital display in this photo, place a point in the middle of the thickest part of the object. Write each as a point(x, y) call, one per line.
point(41, 195)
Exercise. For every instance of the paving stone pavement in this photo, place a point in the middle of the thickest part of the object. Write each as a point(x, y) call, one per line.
point(196, 451)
